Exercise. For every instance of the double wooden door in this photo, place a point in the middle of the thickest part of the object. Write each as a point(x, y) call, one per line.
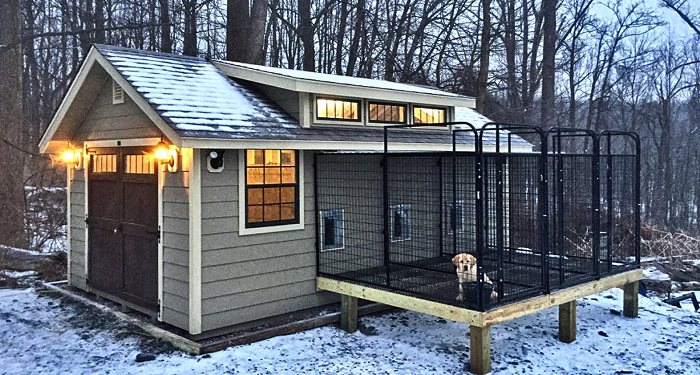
point(122, 220)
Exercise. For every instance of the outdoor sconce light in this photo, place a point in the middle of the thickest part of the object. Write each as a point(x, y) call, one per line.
point(164, 154)
point(72, 157)
point(215, 161)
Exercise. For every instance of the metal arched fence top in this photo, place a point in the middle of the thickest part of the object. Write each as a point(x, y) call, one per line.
point(521, 128)
point(609, 134)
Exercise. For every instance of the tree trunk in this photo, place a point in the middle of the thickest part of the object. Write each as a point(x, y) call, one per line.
point(549, 7)
point(306, 35)
point(189, 47)
point(256, 34)
point(99, 21)
point(485, 52)
point(11, 137)
point(238, 14)
point(166, 42)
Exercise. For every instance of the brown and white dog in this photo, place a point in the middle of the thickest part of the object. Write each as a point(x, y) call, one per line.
point(466, 273)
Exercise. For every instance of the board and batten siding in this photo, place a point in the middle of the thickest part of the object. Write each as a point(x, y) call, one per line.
point(77, 246)
point(251, 277)
point(176, 243)
point(106, 121)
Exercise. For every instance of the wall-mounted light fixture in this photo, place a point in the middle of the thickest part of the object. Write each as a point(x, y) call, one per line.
point(72, 157)
point(167, 155)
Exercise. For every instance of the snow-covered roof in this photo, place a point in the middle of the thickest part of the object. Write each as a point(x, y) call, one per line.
point(346, 81)
point(191, 99)
point(464, 114)
point(192, 95)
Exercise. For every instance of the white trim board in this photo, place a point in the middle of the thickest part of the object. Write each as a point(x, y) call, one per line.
point(242, 230)
point(195, 242)
point(161, 182)
point(370, 88)
point(205, 143)
point(69, 235)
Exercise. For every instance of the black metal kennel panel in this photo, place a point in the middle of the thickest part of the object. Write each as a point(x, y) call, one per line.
point(574, 187)
point(555, 212)
point(620, 201)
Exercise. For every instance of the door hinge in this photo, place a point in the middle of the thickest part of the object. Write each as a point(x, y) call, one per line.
point(159, 233)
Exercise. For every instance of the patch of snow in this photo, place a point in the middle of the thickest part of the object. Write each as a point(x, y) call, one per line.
point(23, 251)
point(653, 273)
point(18, 274)
point(42, 336)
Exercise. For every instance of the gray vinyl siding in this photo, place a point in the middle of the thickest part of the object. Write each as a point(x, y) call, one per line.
point(77, 245)
point(176, 244)
point(250, 277)
point(105, 120)
point(286, 99)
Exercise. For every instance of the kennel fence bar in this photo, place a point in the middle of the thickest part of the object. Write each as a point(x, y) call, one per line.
point(385, 193)
point(608, 134)
point(559, 133)
point(542, 194)
point(478, 204)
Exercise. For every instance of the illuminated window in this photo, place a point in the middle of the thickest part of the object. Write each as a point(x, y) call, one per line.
point(104, 163)
point(140, 164)
point(337, 109)
point(271, 188)
point(387, 113)
point(427, 115)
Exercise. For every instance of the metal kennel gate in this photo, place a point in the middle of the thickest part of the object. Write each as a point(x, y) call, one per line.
point(530, 214)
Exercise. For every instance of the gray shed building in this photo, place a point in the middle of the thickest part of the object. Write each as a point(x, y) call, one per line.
point(190, 182)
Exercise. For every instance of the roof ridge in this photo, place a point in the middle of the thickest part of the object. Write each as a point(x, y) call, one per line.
point(105, 47)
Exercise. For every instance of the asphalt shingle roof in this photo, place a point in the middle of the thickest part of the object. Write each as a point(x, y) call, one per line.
point(198, 101)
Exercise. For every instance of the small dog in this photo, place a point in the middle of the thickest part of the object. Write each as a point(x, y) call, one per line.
point(466, 273)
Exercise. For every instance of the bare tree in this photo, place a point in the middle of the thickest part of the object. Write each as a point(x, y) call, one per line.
point(11, 140)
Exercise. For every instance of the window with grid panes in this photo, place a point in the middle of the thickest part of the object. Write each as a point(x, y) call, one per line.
point(387, 113)
point(272, 188)
point(428, 115)
point(337, 109)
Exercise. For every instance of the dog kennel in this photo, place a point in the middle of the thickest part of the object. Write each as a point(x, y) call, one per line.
point(541, 210)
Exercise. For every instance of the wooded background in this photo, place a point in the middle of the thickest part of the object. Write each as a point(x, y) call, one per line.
point(590, 64)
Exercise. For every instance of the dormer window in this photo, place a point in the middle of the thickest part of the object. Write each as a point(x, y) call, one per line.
point(337, 109)
point(428, 115)
point(387, 113)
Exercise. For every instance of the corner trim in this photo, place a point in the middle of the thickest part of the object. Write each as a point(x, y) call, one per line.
point(195, 245)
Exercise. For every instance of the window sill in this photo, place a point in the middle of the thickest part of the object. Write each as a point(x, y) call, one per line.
point(271, 229)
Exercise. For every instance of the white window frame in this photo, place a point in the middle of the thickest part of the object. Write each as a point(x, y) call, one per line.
point(361, 107)
point(321, 217)
point(392, 209)
point(242, 211)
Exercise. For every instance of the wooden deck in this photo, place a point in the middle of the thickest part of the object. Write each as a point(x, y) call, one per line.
point(480, 322)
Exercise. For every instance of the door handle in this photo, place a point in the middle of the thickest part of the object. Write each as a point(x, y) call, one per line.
point(116, 230)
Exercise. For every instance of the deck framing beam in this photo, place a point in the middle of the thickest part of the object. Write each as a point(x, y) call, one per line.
point(477, 318)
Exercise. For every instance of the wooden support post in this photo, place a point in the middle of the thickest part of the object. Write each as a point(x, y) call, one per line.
point(567, 322)
point(348, 313)
point(480, 350)
point(631, 300)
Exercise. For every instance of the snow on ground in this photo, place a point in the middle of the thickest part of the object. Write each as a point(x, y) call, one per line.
point(653, 273)
point(41, 332)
